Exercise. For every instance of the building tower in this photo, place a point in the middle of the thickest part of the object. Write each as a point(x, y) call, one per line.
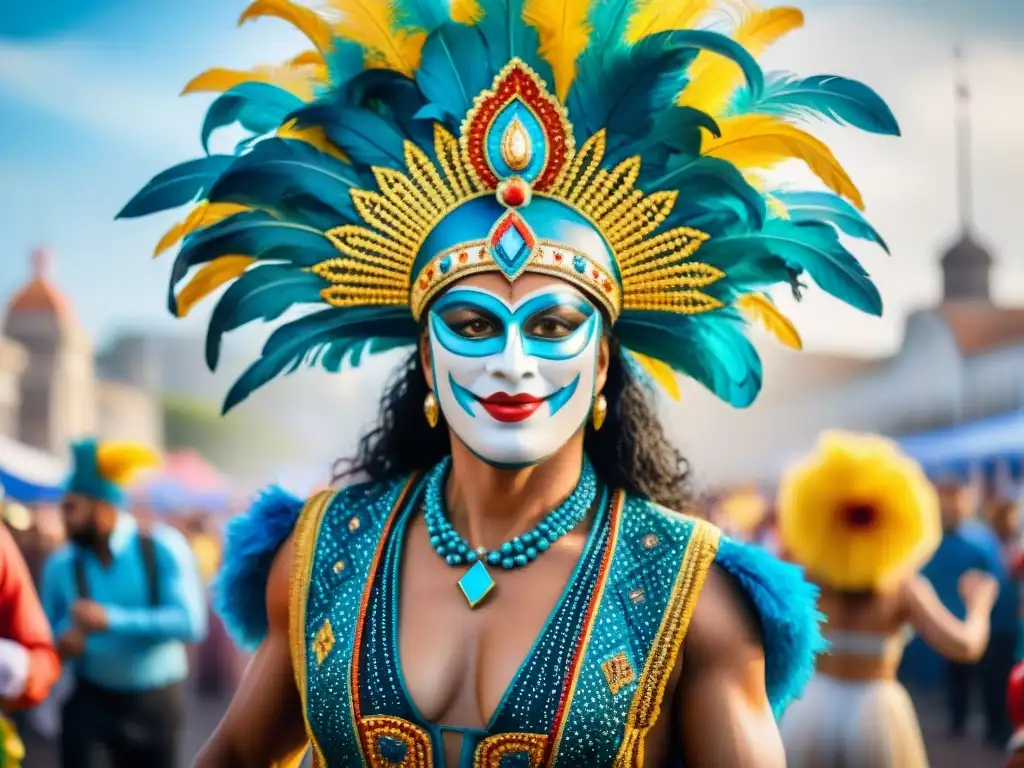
point(58, 387)
point(967, 265)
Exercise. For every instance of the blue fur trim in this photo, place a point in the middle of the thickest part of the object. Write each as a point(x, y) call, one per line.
point(251, 541)
point(791, 622)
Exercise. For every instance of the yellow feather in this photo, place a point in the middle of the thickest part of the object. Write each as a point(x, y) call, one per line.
point(776, 206)
point(118, 463)
point(306, 58)
point(299, 80)
point(371, 24)
point(564, 34)
point(203, 215)
point(758, 308)
point(466, 12)
point(714, 79)
point(653, 16)
point(314, 136)
point(308, 22)
point(761, 142)
point(661, 373)
point(208, 279)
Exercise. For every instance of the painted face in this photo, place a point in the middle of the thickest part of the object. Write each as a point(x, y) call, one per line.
point(514, 382)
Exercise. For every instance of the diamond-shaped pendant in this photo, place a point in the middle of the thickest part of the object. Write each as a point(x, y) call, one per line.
point(476, 583)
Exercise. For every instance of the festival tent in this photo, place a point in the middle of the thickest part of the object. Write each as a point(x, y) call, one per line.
point(186, 482)
point(28, 475)
point(983, 443)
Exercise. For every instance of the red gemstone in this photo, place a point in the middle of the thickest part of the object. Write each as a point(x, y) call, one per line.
point(424, 283)
point(607, 286)
point(514, 195)
point(463, 257)
point(596, 274)
point(558, 256)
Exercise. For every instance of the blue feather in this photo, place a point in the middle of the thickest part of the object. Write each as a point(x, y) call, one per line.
point(726, 201)
point(293, 177)
point(608, 21)
point(787, 605)
point(809, 247)
point(344, 61)
point(256, 234)
point(391, 95)
point(450, 75)
point(508, 36)
point(176, 186)
point(827, 207)
point(839, 99)
point(259, 108)
point(421, 15)
point(251, 542)
point(331, 333)
point(366, 138)
point(710, 348)
point(264, 292)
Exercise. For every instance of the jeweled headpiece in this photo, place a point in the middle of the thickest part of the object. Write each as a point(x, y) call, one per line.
point(604, 142)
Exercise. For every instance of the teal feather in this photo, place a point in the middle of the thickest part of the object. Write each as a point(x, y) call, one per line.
point(312, 336)
point(710, 348)
point(391, 95)
point(508, 36)
point(839, 99)
point(258, 107)
point(424, 15)
point(366, 138)
point(827, 207)
point(608, 20)
point(810, 247)
point(727, 202)
point(177, 186)
point(256, 234)
point(265, 293)
point(293, 177)
point(344, 61)
point(450, 75)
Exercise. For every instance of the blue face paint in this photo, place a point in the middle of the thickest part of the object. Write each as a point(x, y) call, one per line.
point(514, 382)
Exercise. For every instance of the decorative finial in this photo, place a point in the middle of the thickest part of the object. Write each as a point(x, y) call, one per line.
point(40, 263)
point(516, 147)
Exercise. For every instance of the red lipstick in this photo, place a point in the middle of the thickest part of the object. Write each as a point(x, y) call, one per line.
point(510, 408)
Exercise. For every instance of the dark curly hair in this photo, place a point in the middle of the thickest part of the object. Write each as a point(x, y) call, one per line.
point(631, 451)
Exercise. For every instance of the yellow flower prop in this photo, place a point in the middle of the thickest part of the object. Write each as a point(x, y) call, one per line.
point(858, 514)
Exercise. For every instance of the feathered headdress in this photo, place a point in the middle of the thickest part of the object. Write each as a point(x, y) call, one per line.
point(858, 513)
point(606, 142)
point(102, 470)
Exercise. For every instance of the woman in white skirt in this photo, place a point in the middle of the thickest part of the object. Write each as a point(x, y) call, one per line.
point(862, 518)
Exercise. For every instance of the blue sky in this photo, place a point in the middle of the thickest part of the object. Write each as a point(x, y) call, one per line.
point(88, 94)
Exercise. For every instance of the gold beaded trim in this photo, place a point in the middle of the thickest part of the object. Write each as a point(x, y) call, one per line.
point(548, 258)
point(307, 530)
point(416, 741)
point(490, 751)
point(668, 643)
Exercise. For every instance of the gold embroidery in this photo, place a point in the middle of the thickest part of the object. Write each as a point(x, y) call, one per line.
point(414, 750)
point(353, 524)
point(650, 541)
point(339, 566)
point(646, 705)
point(490, 751)
point(636, 596)
point(307, 530)
point(618, 672)
point(324, 641)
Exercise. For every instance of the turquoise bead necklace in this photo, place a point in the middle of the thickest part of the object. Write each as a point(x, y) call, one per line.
point(517, 553)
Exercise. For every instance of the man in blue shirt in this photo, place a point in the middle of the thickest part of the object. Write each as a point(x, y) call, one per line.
point(123, 601)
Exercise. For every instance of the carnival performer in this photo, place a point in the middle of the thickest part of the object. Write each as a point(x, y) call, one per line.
point(862, 518)
point(123, 599)
point(558, 205)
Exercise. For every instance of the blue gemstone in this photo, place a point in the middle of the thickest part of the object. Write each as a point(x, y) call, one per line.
point(515, 760)
point(476, 583)
point(471, 556)
point(506, 548)
point(517, 546)
point(392, 750)
point(446, 264)
point(531, 552)
point(579, 264)
point(511, 251)
point(435, 541)
point(494, 558)
point(508, 563)
point(543, 544)
point(520, 560)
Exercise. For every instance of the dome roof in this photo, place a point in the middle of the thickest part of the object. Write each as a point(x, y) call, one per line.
point(39, 295)
point(966, 252)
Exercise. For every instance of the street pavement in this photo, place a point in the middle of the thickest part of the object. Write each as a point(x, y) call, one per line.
point(203, 715)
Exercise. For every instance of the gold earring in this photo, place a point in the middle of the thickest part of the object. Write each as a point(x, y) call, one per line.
point(599, 411)
point(431, 410)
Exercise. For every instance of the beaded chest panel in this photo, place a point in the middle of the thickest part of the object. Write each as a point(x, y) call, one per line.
point(646, 574)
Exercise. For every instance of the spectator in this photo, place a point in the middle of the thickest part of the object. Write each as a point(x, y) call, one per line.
point(123, 601)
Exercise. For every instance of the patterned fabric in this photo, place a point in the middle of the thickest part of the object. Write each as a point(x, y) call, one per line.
point(639, 579)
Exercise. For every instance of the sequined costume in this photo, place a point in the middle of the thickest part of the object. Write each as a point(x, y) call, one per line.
point(617, 146)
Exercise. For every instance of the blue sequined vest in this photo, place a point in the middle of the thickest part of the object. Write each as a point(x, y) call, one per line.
point(588, 703)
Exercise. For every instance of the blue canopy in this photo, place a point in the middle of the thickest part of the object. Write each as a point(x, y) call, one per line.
point(999, 438)
point(28, 475)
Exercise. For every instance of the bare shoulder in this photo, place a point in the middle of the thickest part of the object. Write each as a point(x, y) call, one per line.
point(279, 584)
point(725, 627)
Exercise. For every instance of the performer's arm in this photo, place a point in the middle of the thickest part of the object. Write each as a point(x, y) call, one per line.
point(264, 725)
point(181, 614)
point(960, 641)
point(723, 712)
point(29, 664)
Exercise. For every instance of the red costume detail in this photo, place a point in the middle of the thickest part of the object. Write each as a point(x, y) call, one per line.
point(22, 620)
point(1015, 696)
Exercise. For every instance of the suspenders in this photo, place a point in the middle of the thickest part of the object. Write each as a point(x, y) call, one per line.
point(147, 550)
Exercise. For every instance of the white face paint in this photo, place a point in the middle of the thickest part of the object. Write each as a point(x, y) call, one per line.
point(514, 382)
